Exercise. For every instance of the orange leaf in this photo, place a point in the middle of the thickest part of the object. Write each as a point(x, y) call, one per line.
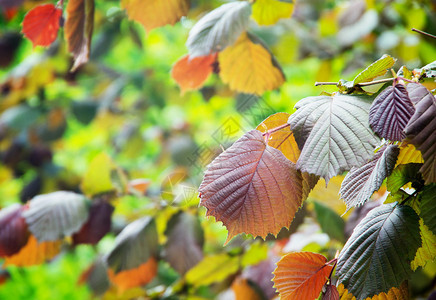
point(282, 139)
point(190, 74)
point(301, 275)
point(249, 67)
point(78, 30)
point(34, 253)
point(139, 185)
point(242, 290)
point(134, 277)
point(41, 24)
point(155, 13)
point(252, 188)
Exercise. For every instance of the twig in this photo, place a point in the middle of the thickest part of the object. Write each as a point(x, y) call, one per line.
point(325, 83)
point(424, 33)
point(275, 129)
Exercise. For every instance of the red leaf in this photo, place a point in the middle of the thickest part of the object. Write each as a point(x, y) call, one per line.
point(301, 275)
point(41, 24)
point(331, 293)
point(191, 73)
point(13, 230)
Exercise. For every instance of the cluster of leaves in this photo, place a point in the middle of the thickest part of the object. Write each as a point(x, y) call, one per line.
point(257, 185)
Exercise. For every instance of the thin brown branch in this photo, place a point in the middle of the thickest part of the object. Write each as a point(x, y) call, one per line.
point(424, 33)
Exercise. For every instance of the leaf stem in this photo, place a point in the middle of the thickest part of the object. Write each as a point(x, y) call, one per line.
point(325, 83)
point(268, 132)
point(375, 82)
point(424, 33)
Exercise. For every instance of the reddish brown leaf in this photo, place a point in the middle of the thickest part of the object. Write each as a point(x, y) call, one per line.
point(134, 277)
point(34, 253)
point(78, 30)
point(97, 225)
point(331, 293)
point(252, 188)
point(301, 275)
point(191, 73)
point(13, 230)
point(41, 24)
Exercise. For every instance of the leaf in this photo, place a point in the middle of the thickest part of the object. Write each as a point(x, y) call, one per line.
point(409, 154)
point(301, 275)
point(377, 256)
point(243, 290)
point(213, 268)
point(402, 175)
point(78, 30)
point(421, 129)
point(52, 216)
point(428, 250)
point(331, 293)
point(41, 24)
point(185, 239)
point(360, 183)
point(333, 133)
point(219, 28)
point(97, 225)
point(390, 112)
point(155, 13)
point(401, 293)
point(330, 222)
point(191, 73)
point(96, 277)
point(256, 253)
point(251, 188)
point(34, 253)
point(249, 67)
point(134, 246)
point(13, 230)
point(428, 207)
point(376, 69)
point(282, 139)
point(268, 12)
point(139, 276)
point(97, 179)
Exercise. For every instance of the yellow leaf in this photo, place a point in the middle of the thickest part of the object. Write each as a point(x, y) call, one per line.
point(268, 12)
point(248, 67)
point(400, 293)
point(243, 290)
point(282, 139)
point(409, 154)
point(428, 250)
point(255, 254)
point(155, 13)
point(213, 268)
point(98, 177)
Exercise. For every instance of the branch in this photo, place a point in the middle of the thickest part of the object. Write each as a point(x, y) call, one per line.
point(424, 33)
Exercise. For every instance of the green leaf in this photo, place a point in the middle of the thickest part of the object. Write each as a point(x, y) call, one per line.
point(53, 216)
point(428, 250)
point(360, 183)
point(213, 268)
point(219, 28)
point(185, 238)
point(256, 253)
point(377, 256)
point(428, 207)
point(334, 133)
point(134, 246)
point(376, 69)
point(97, 179)
point(330, 222)
point(390, 112)
point(402, 175)
point(420, 130)
point(20, 117)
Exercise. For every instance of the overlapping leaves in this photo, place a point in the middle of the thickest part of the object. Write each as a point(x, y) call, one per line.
point(252, 188)
point(390, 235)
point(360, 183)
point(333, 133)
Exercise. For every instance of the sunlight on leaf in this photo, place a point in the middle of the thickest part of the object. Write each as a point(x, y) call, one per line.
point(139, 276)
point(428, 250)
point(401, 293)
point(243, 290)
point(376, 69)
point(409, 154)
point(97, 179)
